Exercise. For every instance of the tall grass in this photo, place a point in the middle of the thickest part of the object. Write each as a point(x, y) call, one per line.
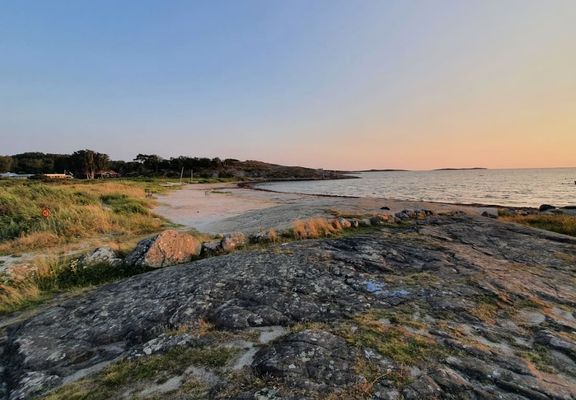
point(45, 276)
point(565, 224)
point(314, 228)
point(77, 210)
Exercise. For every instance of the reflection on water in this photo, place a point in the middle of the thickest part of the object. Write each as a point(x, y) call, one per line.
point(513, 187)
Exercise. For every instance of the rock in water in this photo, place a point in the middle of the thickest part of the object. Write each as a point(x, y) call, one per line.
point(168, 248)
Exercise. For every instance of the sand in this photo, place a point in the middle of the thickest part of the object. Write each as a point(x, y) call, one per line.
point(222, 208)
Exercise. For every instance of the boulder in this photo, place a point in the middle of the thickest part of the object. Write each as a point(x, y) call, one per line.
point(414, 214)
point(167, 248)
point(232, 241)
point(380, 219)
point(354, 222)
point(344, 223)
point(489, 214)
point(212, 247)
point(102, 255)
point(365, 222)
point(546, 207)
point(263, 237)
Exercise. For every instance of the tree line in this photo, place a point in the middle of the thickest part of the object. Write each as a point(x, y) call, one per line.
point(89, 164)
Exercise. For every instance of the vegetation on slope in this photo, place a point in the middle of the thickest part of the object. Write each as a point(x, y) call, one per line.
point(40, 215)
point(559, 223)
point(29, 285)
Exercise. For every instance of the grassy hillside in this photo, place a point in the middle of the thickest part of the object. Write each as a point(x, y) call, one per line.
point(77, 210)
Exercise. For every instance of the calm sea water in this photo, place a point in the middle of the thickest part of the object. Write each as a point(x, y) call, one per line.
point(509, 187)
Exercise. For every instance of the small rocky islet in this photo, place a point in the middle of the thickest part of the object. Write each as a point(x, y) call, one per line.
point(423, 306)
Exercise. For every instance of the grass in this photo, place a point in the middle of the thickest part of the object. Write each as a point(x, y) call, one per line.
point(118, 377)
point(565, 224)
point(30, 285)
point(313, 228)
point(540, 358)
point(77, 210)
point(393, 341)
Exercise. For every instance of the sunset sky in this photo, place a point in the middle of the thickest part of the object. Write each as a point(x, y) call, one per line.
point(324, 83)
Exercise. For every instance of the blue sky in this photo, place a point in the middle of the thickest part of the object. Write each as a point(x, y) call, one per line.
point(342, 84)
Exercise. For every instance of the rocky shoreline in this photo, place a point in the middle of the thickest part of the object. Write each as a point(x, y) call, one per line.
point(448, 306)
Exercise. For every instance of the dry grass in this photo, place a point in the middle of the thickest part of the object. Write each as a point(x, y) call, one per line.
point(314, 228)
point(565, 224)
point(273, 235)
point(77, 211)
point(32, 283)
point(13, 298)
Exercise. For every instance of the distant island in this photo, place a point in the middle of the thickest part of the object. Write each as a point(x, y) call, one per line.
point(382, 170)
point(458, 169)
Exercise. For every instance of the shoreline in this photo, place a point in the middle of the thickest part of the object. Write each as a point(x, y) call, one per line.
point(251, 185)
point(224, 208)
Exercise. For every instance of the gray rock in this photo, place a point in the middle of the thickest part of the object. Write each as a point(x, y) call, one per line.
point(546, 207)
point(310, 358)
point(380, 219)
point(102, 255)
point(490, 214)
point(422, 388)
point(212, 247)
point(419, 214)
point(429, 280)
point(365, 222)
point(557, 342)
point(263, 237)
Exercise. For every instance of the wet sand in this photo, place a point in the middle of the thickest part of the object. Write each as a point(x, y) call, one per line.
point(221, 208)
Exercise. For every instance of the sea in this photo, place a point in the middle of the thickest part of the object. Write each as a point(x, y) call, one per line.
point(505, 187)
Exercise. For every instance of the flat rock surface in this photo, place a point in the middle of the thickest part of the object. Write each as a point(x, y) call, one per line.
point(450, 307)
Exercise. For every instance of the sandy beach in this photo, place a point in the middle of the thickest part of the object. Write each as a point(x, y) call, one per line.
point(221, 208)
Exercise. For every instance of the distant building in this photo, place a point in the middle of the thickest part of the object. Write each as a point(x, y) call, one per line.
point(58, 176)
point(12, 175)
point(107, 174)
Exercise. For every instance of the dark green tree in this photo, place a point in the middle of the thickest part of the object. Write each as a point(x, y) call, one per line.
point(6, 163)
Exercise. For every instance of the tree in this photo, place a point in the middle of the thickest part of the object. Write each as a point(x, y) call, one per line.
point(150, 161)
point(88, 162)
point(6, 163)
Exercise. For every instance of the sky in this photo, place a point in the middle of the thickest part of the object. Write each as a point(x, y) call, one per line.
point(353, 84)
